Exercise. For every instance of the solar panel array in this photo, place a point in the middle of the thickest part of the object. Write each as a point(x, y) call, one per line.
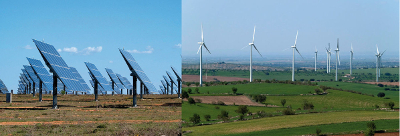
point(176, 73)
point(83, 83)
point(114, 78)
point(3, 87)
point(58, 65)
point(163, 83)
point(135, 68)
point(32, 75)
point(171, 77)
point(99, 87)
point(125, 81)
point(98, 77)
point(42, 73)
point(166, 80)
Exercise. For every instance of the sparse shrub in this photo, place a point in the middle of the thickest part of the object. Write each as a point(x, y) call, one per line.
point(185, 94)
point(191, 101)
point(376, 106)
point(390, 104)
point(220, 103)
point(234, 90)
point(241, 117)
point(317, 91)
point(188, 84)
point(224, 115)
point(288, 111)
point(195, 119)
point(307, 105)
point(380, 85)
point(381, 94)
point(197, 83)
point(190, 91)
point(371, 127)
point(102, 126)
point(387, 89)
point(197, 90)
point(207, 117)
point(318, 131)
point(63, 92)
point(216, 107)
point(283, 102)
point(242, 109)
point(259, 98)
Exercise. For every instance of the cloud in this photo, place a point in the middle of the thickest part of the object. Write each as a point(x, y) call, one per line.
point(111, 61)
point(178, 45)
point(89, 50)
point(85, 51)
point(149, 50)
point(72, 50)
point(28, 47)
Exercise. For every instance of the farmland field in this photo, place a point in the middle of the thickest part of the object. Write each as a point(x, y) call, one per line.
point(80, 115)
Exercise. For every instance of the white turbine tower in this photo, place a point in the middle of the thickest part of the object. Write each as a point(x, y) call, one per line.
point(337, 59)
point(316, 52)
point(294, 47)
point(351, 59)
point(251, 54)
point(201, 53)
point(378, 63)
point(328, 58)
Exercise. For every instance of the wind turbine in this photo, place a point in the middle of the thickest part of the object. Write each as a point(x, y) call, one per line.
point(378, 62)
point(316, 52)
point(294, 47)
point(337, 59)
point(328, 58)
point(201, 52)
point(251, 54)
point(351, 59)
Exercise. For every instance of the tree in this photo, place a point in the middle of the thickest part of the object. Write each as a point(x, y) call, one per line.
point(188, 84)
point(283, 102)
point(190, 90)
point(62, 92)
point(234, 90)
point(197, 83)
point(242, 109)
point(307, 105)
point(191, 101)
point(224, 115)
point(371, 127)
point(317, 91)
point(197, 90)
point(391, 105)
point(318, 131)
point(381, 94)
point(380, 85)
point(185, 95)
point(207, 117)
point(195, 119)
point(324, 88)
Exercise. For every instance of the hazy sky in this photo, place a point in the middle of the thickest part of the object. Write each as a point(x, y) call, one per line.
point(228, 26)
point(92, 31)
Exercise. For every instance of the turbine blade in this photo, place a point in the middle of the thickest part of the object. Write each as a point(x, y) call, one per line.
point(351, 47)
point(326, 49)
point(338, 57)
point(296, 38)
point(377, 49)
point(199, 49)
point(254, 33)
point(206, 48)
point(299, 53)
point(383, 52)
point(202, 38)
point(244, 47)
point(337, 43)
point(257, 50)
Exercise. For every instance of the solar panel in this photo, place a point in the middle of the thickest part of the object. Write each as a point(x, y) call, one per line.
point(125, 81)
point(98, 77)
point(28, 79)
point(163, 83)
point(135, 68)
point(171, 77)
point(32, 75)
point(100, 88)
point(176, 89)
point(3, 87)
point(58, 66)
point(176, 73)
point(166, 80)
point(83, 83)
point(42, 73)
point(114, 78)
point(116, 89)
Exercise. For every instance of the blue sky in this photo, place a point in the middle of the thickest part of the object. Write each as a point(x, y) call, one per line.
point(228, 27)
point(92, 31)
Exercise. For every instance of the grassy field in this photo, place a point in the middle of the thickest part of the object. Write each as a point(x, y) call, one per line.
point(290, 121)
point(336, 128)
point(359, 74)
point(258, 88)
point(79, 115)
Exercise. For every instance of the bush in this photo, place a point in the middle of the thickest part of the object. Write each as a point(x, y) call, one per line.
point(195, 119)
point(371, 125)
point(197, 83)
point(288, 111)
point(63, 92)
point(318, 131)
point(234, 90)
point(197, 100)
point(197, 90)
point(224, 115)
point(369, 132)
point(283, 102)
point(318, 91)
point(185, 95)
point(187, 84)
point(387, 89)
point(307, 105)
point(102, 126)
point(220, 103)
point(259, 98)
point(190, 91)
point(216, 107)
point(191, 101)
point(381, 94)
point(207, 117)
point(390, 104)
point(380, 85)
point(242, 109)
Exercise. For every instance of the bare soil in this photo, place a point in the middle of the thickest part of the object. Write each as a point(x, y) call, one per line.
point(196, 78)
point(376, 134)
point(228, 100)
point(384, 83)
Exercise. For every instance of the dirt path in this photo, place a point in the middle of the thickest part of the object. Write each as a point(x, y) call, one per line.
point(86, 122)
point(228, 100)
point(196, 78)
point(376, 134)
point(384, 83)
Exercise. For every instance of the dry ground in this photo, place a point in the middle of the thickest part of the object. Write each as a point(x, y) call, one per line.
point(228, 100)
point(384, 83)
point(196, 78)
point(162, 111)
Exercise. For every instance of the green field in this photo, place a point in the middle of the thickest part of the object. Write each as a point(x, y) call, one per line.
point(337, 128)
point(359, 74)
point(290, 121)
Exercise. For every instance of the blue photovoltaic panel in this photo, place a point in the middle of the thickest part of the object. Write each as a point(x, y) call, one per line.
point(97, 76)
point(171, 77)
point(124, 81)
point(42, 73)
point(176, 74)
point(100, 88)
point(83, 83)
point(32, 75)
point(3, 87)
point(163, 83)
point(114, 78)
point(58, 66)
point(135, 68)
point(27, 78)
point(176, 89)
point(166, 80)
point(116, 89)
